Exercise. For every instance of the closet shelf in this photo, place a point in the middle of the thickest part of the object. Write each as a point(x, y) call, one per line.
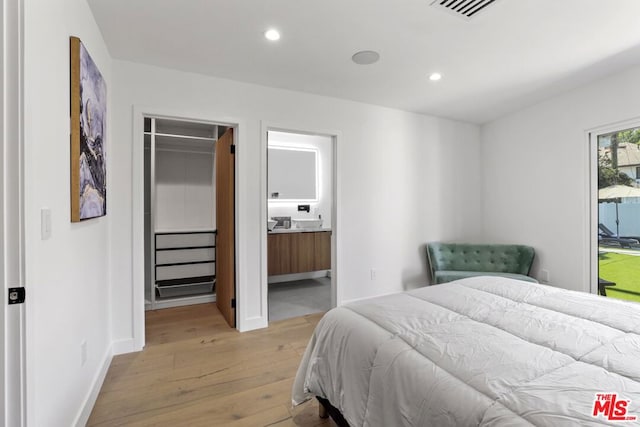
point(172, 292)
point(170, 232)
point(171, 264)
point(179, 248)
point(184, 281)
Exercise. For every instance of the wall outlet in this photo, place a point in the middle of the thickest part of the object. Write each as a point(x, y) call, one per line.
point(544, 276)
point(374, 273)
point(83, 353)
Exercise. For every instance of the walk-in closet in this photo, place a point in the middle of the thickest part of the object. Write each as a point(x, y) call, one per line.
point(182, 242)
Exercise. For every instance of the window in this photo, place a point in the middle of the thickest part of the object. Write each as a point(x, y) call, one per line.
point(618, 214)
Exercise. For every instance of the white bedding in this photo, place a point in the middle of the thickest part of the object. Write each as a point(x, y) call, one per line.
point(484, 351)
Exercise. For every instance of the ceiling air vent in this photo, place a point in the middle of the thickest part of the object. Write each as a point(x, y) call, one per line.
point(465, 9)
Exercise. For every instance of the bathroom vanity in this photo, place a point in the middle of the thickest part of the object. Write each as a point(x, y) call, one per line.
point(298, 250)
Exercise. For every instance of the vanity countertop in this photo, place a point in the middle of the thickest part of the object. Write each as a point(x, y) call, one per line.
point(298, 230)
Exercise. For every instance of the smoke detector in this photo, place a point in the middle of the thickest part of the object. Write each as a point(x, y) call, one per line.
point(465, 9)
point(365, 57)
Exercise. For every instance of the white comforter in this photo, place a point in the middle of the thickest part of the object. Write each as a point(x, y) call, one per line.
point(482, 351)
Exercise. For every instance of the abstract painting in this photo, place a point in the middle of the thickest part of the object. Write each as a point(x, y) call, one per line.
point(88, 136)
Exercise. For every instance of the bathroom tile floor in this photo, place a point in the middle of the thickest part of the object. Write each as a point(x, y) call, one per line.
point(299, 298)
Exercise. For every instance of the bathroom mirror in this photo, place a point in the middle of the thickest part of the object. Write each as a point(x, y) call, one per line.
point(292, 174)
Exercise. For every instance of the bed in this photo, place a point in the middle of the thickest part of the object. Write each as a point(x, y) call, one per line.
point(483, 351)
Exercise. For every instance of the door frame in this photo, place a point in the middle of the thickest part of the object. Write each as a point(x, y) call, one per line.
point(591, 231)
point(13, 333)
point(138, 303)
point(336, 136)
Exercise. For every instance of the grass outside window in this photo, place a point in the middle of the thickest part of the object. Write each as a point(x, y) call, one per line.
point(624, 270)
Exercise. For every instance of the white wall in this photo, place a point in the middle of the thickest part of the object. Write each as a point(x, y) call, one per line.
point(536, 174)
point(403, 179)
point(323, 145)
point(67, 276)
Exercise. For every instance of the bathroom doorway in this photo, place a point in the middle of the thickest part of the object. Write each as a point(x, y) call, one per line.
point(300, 183)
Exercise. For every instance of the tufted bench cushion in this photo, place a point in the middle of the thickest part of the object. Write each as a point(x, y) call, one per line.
point(452, 261)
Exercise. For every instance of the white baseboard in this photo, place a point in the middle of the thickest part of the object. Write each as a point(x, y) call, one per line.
point(370, 297)
point(179, 302)
point(124, 346)
point(96, 385)
point(253, 323)
point(298, 276)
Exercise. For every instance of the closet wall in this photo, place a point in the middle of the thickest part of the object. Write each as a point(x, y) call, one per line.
point(179, 212)
point(185, 190)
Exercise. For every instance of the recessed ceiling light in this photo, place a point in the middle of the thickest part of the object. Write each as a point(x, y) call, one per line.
point(365, 57)
point(272, 35)
point(434, 77)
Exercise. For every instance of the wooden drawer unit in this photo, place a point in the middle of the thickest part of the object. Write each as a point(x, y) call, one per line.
point(301, 252)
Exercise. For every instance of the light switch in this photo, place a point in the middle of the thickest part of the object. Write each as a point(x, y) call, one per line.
point(45, 223)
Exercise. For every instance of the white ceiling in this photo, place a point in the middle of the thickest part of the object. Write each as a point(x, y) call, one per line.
point(515, 53)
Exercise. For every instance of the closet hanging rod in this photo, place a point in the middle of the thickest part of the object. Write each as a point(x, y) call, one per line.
point(171, 135)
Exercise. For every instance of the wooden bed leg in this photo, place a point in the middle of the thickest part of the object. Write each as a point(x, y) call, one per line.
point(322, 411)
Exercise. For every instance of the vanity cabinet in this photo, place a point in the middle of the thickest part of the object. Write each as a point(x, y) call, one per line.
point(322, 248)
point(279, 253)
point(298, 252)
point(302, 252)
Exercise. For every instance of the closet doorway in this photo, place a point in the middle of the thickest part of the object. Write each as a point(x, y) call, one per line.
point(300, 224)
point(189, 211)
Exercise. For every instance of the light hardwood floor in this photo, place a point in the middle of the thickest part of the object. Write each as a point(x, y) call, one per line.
point(196, 371)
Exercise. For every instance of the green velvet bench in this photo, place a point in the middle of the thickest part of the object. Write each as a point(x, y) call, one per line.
point(453, 261)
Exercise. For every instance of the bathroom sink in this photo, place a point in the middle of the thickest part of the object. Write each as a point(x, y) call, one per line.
point(271, 224)
point(307, 223)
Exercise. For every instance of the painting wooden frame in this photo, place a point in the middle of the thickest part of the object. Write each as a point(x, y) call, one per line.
point(88, 135)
